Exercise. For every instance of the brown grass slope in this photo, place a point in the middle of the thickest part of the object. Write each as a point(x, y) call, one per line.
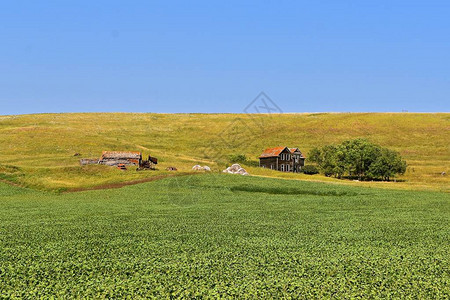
point(37, 150)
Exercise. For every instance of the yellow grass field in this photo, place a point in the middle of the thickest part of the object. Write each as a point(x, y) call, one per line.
point(38, 150)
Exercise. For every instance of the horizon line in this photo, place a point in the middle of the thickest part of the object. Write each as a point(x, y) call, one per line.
point(231, 113)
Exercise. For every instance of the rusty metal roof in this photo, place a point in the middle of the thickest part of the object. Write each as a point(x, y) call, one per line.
point(274, 152)
point(121, 154)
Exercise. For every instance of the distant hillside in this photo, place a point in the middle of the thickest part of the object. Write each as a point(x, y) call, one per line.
point(38, 150)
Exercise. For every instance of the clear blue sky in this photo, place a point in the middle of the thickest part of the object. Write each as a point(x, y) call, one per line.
point(211, 56)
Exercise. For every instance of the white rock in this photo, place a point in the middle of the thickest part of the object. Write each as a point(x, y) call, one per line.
point(206, 168)
point(197, 168)
point(241, 170)
point(235, 167)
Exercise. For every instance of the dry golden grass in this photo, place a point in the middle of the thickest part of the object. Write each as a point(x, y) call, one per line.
point(37, 150)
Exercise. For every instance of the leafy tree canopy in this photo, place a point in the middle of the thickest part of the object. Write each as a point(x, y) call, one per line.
point(359, 158)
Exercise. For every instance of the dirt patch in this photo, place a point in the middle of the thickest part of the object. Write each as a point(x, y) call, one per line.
point(10, 182)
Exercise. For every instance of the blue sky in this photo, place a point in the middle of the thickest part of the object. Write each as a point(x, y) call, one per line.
point(211, 56)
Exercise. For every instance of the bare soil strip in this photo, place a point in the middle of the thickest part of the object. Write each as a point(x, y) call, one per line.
point(10, 183)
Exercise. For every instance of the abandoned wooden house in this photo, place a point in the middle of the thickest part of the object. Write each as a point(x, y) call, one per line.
point(282, 159)
point(114, 158)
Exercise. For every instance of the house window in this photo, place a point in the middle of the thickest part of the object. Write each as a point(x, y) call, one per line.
point(282, 167)
point(271, 167)
point(287, 168)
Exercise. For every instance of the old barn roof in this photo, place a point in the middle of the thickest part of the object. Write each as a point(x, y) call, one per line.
point(121, 154)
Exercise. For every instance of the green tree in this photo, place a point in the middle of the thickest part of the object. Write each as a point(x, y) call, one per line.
point(387, 165)
point(329, 160)
point(358, 157)
point(315, 155)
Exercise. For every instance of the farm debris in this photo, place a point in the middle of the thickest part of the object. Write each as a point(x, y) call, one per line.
point(171, 169)
point(148, 164)
point(200, 168)
point(88, 161)
point(236, 169)
point(77, 154)
point(121, 167)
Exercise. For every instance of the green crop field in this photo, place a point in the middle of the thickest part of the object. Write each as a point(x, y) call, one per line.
point(37, 151)
point(225, 236)
point(215, 235)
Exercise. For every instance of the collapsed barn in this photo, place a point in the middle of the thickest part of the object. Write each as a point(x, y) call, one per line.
point(122, 158)
point(114, 158)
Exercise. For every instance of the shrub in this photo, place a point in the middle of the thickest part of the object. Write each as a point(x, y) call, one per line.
point(310, 170)
point(243, 160)
point(237, 158)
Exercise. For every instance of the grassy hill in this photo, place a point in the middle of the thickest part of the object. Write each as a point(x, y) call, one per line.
point(225, 236)
point(38, 150)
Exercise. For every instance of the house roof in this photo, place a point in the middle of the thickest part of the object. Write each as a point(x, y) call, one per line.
point(274, 152)
point(296, 149)
point(121, 154)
